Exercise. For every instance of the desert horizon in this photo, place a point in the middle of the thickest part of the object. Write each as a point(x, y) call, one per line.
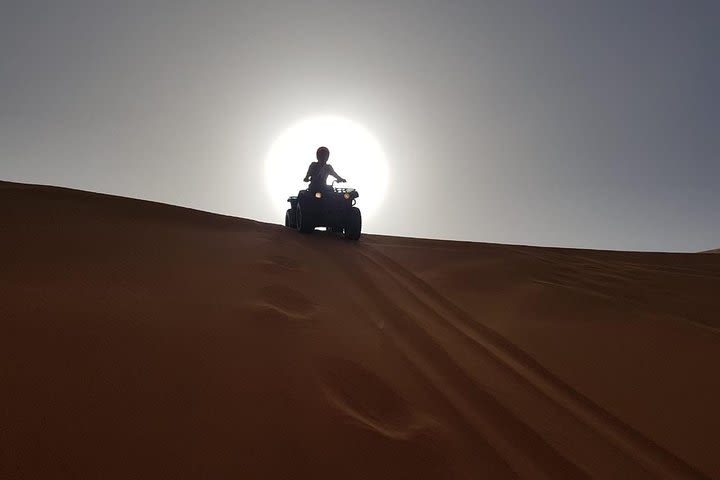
point(144, 339)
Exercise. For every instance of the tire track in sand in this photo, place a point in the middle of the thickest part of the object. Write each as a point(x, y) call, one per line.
point(442, 320)
point(483, 419)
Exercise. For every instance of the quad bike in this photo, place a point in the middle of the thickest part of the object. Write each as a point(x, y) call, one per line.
point(330, 207)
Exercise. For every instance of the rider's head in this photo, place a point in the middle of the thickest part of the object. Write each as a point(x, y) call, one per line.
point(322, 154)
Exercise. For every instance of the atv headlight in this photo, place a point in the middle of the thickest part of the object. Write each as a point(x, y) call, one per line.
point(347, 196)
point(318, 195)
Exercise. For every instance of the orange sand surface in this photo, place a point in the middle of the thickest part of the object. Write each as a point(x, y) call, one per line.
point(142, 340)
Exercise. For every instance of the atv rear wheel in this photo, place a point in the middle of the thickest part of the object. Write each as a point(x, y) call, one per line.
point(290, 218)
point(353, 224)
point(304, 224)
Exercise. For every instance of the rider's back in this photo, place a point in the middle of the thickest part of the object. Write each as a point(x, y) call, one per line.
point(318, 175)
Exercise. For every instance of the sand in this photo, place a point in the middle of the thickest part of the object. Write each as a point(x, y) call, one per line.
point(141, 340)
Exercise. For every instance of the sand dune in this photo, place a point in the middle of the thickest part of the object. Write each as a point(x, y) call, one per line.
point(144, 340)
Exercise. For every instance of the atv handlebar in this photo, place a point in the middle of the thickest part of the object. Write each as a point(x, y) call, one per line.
point(342, 180)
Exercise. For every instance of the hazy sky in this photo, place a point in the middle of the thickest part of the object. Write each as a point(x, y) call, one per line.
point(573, 123)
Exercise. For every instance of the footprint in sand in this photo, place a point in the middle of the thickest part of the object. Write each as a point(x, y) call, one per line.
point(280, 303)
point(370, 401)
point(278, 264)
point(288, 299)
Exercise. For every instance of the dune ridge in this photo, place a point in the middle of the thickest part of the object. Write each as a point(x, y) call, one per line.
point(146, 339)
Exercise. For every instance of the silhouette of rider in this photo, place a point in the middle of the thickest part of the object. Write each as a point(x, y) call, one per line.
point(319, 171)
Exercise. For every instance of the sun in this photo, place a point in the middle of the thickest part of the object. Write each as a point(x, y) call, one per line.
point(354, 153)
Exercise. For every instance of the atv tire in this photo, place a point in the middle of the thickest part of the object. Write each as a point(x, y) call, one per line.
point(290, 218)
point(353, 225)
point(304, 224)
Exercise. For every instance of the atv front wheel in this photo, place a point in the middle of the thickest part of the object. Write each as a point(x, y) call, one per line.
point(304, 224)
point(353, 224)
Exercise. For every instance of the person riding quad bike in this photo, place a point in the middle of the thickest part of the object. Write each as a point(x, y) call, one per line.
point(319, 171)
point(323, 205)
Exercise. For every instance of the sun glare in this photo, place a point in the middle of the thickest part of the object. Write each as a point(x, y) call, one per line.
point(354, 153)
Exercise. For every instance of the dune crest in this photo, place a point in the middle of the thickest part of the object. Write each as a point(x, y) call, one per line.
point(142, 339)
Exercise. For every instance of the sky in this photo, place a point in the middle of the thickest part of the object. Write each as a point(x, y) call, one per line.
point(591, 124)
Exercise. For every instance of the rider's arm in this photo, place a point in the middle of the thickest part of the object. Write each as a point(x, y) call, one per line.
point(334, 174)
point(308, 174)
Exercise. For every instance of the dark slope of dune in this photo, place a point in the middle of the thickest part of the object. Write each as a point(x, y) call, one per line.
point(145, 340)
point(717, 250)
